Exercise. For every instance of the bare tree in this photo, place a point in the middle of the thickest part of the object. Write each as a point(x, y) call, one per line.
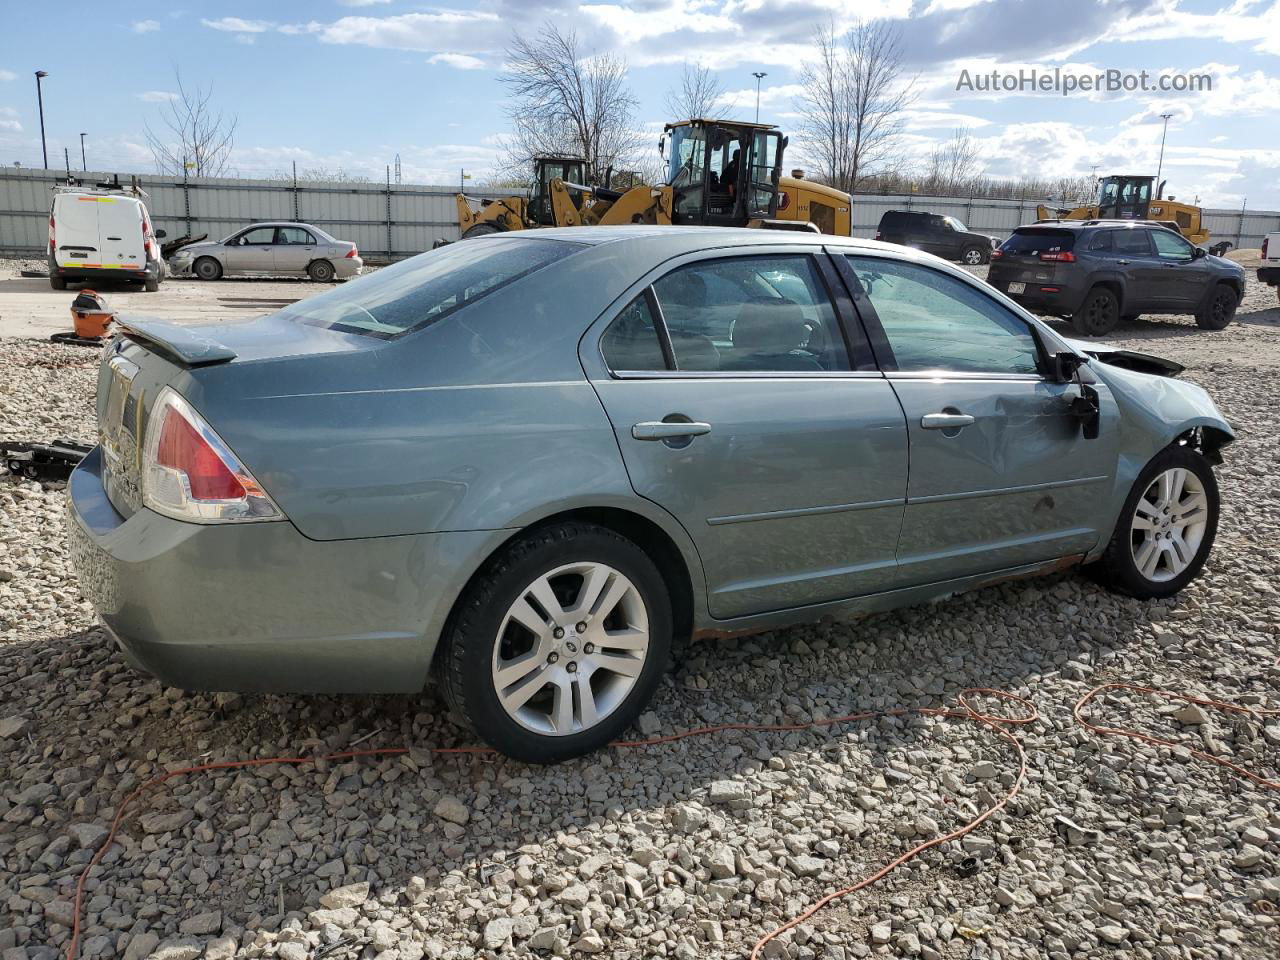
point(699, 95)
point(852, 101)
point(194, 134)
point(566, 102)
point(953, 165)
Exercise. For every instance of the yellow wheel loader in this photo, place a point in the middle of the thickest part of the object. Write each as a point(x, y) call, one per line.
point(1128, 197)
point(719, 172)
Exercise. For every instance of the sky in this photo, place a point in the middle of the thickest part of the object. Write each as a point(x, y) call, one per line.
point(349, 84)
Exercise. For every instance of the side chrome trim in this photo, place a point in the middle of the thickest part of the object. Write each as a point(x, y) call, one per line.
point(805, 511)
point(1001, 491)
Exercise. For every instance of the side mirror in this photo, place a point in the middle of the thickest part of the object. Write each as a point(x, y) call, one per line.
point(1198, 252)
point(160, 234)
point(1063, 366)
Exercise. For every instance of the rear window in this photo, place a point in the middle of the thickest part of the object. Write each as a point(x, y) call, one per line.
point(1039, 241)
point(414, 293)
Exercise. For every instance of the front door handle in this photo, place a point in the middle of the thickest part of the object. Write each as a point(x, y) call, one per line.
point(664, 430)
point(1123, 263)
point(945, 421)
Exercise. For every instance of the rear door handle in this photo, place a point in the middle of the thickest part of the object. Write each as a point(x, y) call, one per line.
point(945, 421)
point(662, 430)
point(1123, 263)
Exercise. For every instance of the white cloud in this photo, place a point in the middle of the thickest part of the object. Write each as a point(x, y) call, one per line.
point(238, 25)
point(460, 61)
point(6, 121)
point(8, 75)
point(145, 26)
point(361, 3)
point(157, 96)
point(296, 29)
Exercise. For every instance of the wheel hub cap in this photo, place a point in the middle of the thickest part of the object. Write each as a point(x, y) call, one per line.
point(570, 648)
point(1168, 524)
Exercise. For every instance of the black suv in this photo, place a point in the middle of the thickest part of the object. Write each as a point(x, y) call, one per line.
point(1099, 272)
point(946, 237)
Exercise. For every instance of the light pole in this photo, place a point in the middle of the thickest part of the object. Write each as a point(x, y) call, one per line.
point(44, 150)
point(759, 76)
point(84, 164)
point(1160, 165)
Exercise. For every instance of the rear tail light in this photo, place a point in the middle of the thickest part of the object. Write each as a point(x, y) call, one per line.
point(1265, 240)
point(996, 253)
point(1059, 256)
point(188, 473)
point(877, 234)
point(146, 238)
point(352, 254)
point(53, 242)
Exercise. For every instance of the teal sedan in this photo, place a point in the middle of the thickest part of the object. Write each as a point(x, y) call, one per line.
point(535, 465)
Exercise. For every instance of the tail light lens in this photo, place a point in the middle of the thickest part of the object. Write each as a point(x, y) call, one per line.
point(146, 239)
point(352, 254)
point(188, 473)
point(1059, 256)
point(53, 242)
point(1265, 240)
point(877, 234)
point(997, 253)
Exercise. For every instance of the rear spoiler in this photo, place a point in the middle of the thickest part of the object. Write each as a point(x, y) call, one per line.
point(176, 342)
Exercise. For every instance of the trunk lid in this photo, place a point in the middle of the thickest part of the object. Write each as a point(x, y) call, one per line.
point(148, 355)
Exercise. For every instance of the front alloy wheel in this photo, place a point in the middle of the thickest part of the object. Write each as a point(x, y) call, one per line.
point(558, 643)
point(1168, 524)
point(1166, 527)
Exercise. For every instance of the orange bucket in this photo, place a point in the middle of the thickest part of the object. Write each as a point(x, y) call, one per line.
point(91, 315)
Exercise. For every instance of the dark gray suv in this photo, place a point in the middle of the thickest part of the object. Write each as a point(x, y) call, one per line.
point(1099, 272)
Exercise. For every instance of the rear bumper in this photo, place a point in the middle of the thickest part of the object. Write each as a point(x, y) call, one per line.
point(347, 267)
point(1039, 296)
point(1269, 275)
point(119, 274)
point(257, 607)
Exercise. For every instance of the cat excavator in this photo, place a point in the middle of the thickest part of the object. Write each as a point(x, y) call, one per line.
point(1128, 197)
point(719, 172)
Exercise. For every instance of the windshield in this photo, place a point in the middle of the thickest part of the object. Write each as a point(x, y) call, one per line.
point(414, 293)
point(957, 225)
point(1035, 242)
point(685, 163)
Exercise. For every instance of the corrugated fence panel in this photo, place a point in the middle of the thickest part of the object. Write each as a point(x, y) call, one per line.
point(403, 219)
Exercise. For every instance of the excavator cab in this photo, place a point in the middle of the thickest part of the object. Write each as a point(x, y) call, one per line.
point(1124, 197)
point(546, 169)
point(722, 172)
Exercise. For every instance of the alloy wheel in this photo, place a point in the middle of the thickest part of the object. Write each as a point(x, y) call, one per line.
point(1169, 524)
point(973, 257)
point(570, 648)
point(1221, 308)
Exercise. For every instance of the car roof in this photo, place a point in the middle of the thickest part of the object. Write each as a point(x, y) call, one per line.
point(1052, 224)
point(694, 238)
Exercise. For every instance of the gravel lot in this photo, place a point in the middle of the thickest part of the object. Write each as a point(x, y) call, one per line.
point(694, 849)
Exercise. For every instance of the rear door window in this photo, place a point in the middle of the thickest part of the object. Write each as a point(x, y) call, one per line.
point(414, 293)
point(294, 235)
point(1131, 243)
point(631, 342)
point(758, 313)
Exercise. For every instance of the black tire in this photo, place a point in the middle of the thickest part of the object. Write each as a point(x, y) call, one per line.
point(481, 230)
point(207, 268)
point(1218, 309)
point(975, 255)
point(1098, 315)
point(58, 283)
point(151, 284)
point(1118, 570)
point(465, 658)
point(321, 271)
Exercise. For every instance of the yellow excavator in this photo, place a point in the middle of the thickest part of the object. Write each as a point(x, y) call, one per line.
point(719, 172)
point(1129, 197)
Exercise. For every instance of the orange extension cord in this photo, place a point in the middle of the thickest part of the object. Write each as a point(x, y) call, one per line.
point(967, 711)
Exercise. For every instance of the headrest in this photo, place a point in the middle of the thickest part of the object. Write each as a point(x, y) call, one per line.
point(769, 326)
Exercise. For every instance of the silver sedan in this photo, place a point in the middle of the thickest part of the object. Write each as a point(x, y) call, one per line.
point(285, 249)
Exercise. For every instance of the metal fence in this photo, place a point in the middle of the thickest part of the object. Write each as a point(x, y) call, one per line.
point(390, 221)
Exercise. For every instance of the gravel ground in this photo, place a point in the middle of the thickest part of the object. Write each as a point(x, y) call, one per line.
point(694, 849)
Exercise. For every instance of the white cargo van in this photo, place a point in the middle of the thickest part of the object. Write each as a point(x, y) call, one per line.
point(102, 232)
